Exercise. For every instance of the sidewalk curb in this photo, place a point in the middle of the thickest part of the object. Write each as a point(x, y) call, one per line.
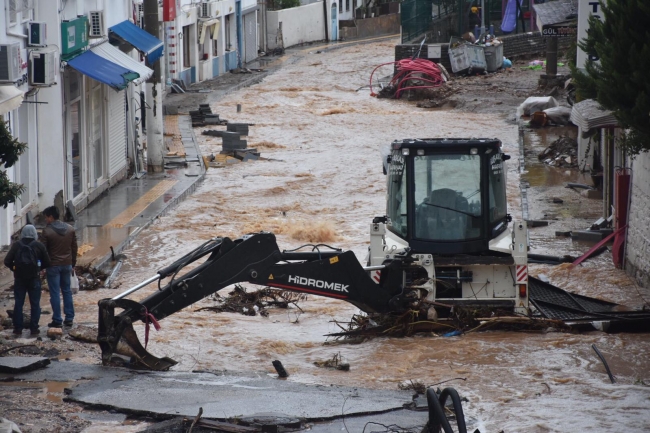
point(103, 263)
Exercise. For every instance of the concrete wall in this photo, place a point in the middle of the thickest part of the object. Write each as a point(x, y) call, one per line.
point(369, 27)
point(637, 260)
point(299, 25)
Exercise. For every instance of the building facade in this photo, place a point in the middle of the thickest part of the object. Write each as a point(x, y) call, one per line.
point(81, 97)
point(206, 39)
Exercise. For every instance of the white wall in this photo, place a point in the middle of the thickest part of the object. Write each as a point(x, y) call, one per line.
point(25, 127)
point(299, 25)
point(638, 234)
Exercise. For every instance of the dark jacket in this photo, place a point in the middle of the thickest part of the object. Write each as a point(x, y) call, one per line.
point(38, 248)
point(60, 240)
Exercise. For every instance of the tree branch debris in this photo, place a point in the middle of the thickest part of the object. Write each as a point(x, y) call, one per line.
point(256, 302)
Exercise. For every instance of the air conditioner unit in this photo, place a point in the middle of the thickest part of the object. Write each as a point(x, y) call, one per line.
point(205, 10)
point(43, 65)
point(10, 67)
point(37, 34)
point(96, 27)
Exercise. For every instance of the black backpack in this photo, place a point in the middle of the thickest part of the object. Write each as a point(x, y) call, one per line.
point(26, 262)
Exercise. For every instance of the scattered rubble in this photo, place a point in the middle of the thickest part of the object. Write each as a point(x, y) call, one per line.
point(411, 385)
point(563, 152)
point(336, 363)
point(90, 278)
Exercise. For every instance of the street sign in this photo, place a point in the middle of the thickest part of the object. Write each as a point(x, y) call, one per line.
point(560, 30)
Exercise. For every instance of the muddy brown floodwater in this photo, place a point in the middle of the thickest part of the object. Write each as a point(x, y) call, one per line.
point(323, 182)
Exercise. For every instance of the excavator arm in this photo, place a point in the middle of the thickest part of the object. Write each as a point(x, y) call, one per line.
point(254, 259)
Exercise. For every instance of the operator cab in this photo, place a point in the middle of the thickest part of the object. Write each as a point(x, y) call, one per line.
point(447, 196)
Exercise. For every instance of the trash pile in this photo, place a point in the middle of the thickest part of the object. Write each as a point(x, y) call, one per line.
point(563, 152)
point(254, 303)
point(469, 55)
point(538, 65)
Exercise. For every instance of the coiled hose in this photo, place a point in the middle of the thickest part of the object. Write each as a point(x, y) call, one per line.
point(437, 417)
point(412, 69)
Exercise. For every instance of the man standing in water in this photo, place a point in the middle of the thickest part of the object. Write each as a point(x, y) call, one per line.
point(60, 240)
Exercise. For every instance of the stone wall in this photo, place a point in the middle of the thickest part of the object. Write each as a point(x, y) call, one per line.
point(637, 260)
point(370, 27)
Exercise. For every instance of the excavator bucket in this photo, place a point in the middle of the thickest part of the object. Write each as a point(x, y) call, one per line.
point(117, 336)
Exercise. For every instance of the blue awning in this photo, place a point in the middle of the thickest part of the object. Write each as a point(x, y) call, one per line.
point(146, 43)
point(102, 70)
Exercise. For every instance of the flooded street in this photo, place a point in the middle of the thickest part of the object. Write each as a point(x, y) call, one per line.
point(323, 183)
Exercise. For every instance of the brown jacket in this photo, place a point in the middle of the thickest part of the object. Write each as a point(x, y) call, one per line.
point(60, 240)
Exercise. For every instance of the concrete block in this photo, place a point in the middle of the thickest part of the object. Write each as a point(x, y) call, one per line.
point(229, 135)
point(234, 145)
point(241, 128)
point(588, 235)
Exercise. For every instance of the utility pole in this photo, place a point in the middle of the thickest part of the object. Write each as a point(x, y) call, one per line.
point(155, 141)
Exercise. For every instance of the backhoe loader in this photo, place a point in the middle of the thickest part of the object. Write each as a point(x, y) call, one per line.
point(446, 241)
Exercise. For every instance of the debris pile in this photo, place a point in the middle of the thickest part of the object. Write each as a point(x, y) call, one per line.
point(563, 152)
point(254, 303)
point(459, 320)
point(90, 278)
point(336, 363)
point(413, 76)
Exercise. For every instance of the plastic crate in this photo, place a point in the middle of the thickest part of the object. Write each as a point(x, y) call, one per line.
point(464, 56)
point(494, 57)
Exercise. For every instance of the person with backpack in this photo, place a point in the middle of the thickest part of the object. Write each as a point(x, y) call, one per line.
point(26, 258)
point(60, 240)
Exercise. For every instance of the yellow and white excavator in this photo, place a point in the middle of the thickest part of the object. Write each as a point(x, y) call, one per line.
point(445, 242)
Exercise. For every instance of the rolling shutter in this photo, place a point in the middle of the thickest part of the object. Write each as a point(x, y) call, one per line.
point(250, 37)
point(116, 132)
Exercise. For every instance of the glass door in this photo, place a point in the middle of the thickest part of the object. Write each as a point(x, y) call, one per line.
point(74, 138)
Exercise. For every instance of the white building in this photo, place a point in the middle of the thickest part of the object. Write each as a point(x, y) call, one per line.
point(76, 99)
point(206, 39)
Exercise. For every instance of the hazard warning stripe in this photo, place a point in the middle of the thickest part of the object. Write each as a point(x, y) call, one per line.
point(377, 276)
point(522, 273)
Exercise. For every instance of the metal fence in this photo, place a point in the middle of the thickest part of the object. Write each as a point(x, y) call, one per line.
point(416, 18)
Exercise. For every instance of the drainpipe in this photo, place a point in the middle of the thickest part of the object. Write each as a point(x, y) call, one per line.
point(239, 18)
point(325, 19)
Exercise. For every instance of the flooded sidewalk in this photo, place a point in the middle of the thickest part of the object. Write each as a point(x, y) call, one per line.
point(116, 218)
